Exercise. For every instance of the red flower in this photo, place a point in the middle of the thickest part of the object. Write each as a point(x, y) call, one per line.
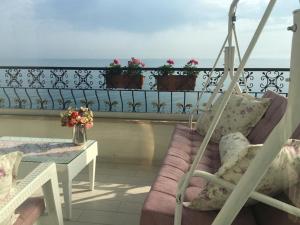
point(74, 114)
point(82, 116)
point(170, 61)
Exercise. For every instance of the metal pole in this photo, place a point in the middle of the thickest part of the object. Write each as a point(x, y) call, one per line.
point(231, 20)
point(230, 64)
point(273, 144)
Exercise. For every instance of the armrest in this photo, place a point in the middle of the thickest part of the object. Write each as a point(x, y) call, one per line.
point(27, 187)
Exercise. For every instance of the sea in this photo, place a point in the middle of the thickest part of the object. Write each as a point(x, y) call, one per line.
point(125, 101)
point(149, 62)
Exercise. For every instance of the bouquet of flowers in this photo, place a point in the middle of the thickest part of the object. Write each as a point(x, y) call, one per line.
point(83, 117)
point(190, 69)
point(135, 66)
point(167, 68)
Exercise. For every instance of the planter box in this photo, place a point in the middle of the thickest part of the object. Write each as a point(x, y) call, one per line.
point(124, 81)
point(176, 83)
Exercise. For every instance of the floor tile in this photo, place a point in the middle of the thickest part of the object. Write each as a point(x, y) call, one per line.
point(130, 207)
point(76, 213)
point(95, 216)
point(120, 190)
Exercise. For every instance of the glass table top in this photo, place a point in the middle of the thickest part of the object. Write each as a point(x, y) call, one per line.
point(61, 151)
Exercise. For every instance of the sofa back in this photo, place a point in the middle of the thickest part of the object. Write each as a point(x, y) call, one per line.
point(271, 118)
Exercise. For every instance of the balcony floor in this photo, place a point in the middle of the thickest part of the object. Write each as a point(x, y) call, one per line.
point(120, 190)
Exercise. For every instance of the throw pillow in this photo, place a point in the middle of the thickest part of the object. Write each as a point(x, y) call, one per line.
point(9, 164)
point(231, 144)
point(241, 114)
point(282, 173)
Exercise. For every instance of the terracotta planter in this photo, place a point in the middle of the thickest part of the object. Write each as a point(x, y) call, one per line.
point(176, 83)
point(124, 81)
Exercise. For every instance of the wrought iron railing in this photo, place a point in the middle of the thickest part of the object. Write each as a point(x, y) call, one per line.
point(63, 87)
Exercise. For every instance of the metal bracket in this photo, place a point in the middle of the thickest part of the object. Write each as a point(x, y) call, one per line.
point(179, 199)
point(233, 18)
point(292, 28)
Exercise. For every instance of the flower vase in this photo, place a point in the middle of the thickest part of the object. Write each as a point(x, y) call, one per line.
point(79, 134)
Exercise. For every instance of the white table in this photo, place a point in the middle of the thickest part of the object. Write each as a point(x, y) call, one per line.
point(69, 158)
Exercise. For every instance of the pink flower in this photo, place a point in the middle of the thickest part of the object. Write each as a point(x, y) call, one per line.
point(117, 61)
point(135, 61)
point(170, 61)
point(193, 62)
point(89, 125)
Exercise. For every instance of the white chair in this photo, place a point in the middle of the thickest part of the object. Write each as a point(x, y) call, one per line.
point(44, 176)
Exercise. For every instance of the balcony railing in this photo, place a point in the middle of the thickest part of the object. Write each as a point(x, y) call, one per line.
point(55, 88)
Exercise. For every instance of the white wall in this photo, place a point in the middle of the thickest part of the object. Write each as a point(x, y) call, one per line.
point(122, 140)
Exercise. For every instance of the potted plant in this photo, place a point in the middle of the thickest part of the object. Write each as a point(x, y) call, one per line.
point(167, 81)
point(129, 78)
point(113, 76)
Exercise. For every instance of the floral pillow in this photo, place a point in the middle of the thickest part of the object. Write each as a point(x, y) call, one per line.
point(9, 164)
point(231, 144)
point(283, 173)
point(241, 114)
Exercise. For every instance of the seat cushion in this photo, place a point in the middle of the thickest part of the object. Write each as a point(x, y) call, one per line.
point(159, 206)
point(159, 209)
point(30, 211)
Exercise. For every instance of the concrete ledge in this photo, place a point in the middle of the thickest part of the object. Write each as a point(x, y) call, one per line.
point(121, 115)
point(137, 141)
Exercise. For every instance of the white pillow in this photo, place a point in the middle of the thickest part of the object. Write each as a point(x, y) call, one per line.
point(9, 164)
point(231, 144)
point(241, 114)
point(283, 173)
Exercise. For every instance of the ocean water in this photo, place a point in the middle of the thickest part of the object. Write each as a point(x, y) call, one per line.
point(173, 102)
point(253, 62)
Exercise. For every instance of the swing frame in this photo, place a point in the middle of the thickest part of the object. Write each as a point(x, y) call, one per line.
point(280, 134)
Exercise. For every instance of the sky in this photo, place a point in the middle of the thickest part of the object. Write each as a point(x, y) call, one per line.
point(66, 29)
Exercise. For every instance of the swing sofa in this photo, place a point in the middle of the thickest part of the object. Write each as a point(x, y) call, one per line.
point(159, 206)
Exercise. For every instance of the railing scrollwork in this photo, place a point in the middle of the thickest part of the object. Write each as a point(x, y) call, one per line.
point(63, 87)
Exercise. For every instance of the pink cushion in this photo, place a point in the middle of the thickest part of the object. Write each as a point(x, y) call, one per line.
point(271, 118)
point(159, 206)
point(30, 211)
point(273, 115)
point(159, 210)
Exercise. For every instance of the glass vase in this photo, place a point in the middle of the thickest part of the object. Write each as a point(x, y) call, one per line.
point(79, 134)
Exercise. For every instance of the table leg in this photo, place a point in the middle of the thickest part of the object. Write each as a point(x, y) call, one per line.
point(67, 191)
point(92, 170)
